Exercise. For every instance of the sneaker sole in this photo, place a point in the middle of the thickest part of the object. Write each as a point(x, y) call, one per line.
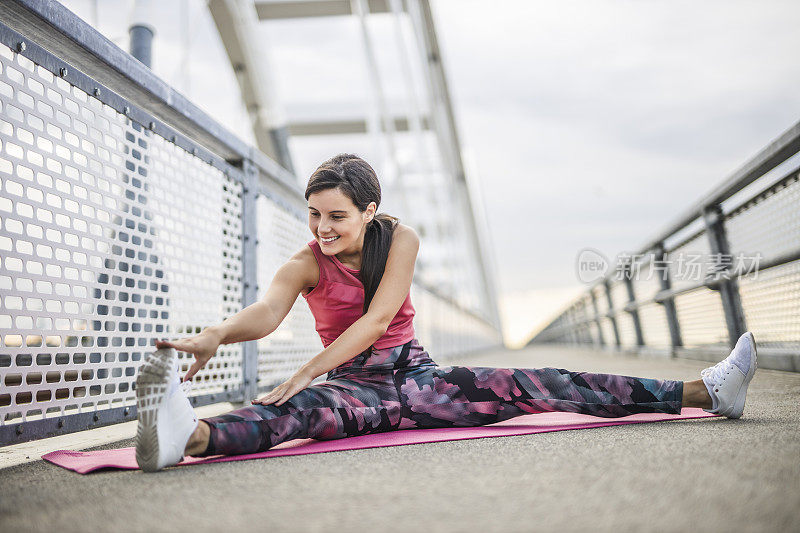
point(738, 404)
point(151, 392)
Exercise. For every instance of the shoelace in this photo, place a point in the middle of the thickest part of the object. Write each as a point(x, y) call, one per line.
point(715, 373)
point(186, 387)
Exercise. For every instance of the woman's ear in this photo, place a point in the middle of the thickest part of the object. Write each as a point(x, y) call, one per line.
point(370, 211)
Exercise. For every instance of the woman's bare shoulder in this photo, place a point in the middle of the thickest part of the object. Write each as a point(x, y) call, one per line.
point(405, 234)
point(305, 264)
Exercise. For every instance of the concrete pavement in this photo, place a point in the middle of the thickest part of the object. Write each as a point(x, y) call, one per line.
point(708, 475)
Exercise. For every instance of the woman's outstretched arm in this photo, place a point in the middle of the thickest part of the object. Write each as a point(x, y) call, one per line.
point(256, 320)
point(263, 317)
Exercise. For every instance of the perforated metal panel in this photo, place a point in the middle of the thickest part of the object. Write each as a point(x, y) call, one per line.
point(654, 326)
point(592, 336)
point(600, 300)
point(702, 319)
point(111, 238)
point(608, 332)
point(281, 234)
point(771, 304)
point(446, 331)
point(627, 333)
point(752, 228)
point(619, 295)
point(689, 262)
point(424, 322)
point(647, 279)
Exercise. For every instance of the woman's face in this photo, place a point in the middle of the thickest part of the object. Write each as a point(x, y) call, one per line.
point(337, 224)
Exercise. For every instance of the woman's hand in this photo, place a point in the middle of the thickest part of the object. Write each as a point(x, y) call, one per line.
point(203, 346)
point(286, 390)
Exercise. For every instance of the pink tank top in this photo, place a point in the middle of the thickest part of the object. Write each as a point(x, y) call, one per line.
point(338, 300)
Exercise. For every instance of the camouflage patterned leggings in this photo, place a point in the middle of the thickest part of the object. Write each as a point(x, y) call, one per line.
point(403, 388)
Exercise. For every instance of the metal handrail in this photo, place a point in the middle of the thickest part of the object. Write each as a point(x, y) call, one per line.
point(781, 149)
point(710, 211)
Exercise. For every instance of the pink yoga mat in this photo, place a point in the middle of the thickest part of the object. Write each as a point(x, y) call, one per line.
point(125, 458)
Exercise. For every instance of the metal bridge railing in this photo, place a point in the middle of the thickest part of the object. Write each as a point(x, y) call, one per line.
point(128, 215)
point(742, 242)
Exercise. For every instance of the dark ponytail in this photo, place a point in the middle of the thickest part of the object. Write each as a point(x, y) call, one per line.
point(377, 241)
point(358, 181)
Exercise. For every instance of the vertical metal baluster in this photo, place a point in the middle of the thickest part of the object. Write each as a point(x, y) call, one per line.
point(631, 308)
point(669, 302)
point(597, 318)
point(611, 314)
point(249, 274)
point(728, 289)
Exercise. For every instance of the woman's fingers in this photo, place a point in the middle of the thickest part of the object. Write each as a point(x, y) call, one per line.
point(278, 397)
point(286, 390)
point(287, 393)
point(271, 396)
point(262, 399)
point(285, 397)
point(196, 366)
point(190, 345)
point(180, 345)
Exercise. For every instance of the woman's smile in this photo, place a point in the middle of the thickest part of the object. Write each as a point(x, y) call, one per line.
point(336, 223)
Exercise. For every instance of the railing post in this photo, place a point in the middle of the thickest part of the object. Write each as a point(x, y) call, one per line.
point(669, 302)
point(249, 273)
point(631, 307)
point(573, 330)
point(728, 287)
point(570, 327)
point(611, 314)
point(600, 336)
point(587, 326)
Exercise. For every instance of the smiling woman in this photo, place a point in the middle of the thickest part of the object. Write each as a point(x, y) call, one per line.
point(347, 191)
point(351, 249)
point(356, 277)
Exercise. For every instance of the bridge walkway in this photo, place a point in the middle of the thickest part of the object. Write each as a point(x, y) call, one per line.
point(705, 475)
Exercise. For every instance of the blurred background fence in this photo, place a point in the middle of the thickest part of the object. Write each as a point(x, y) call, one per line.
point(729, 264)
point(128, 215)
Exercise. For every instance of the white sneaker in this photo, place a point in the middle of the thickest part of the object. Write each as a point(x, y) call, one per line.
point(166, 418)
point(727, 380)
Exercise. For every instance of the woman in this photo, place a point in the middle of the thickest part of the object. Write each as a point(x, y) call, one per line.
point(356, 275)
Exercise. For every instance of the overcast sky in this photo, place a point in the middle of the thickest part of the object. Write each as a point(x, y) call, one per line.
point(592, 123)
